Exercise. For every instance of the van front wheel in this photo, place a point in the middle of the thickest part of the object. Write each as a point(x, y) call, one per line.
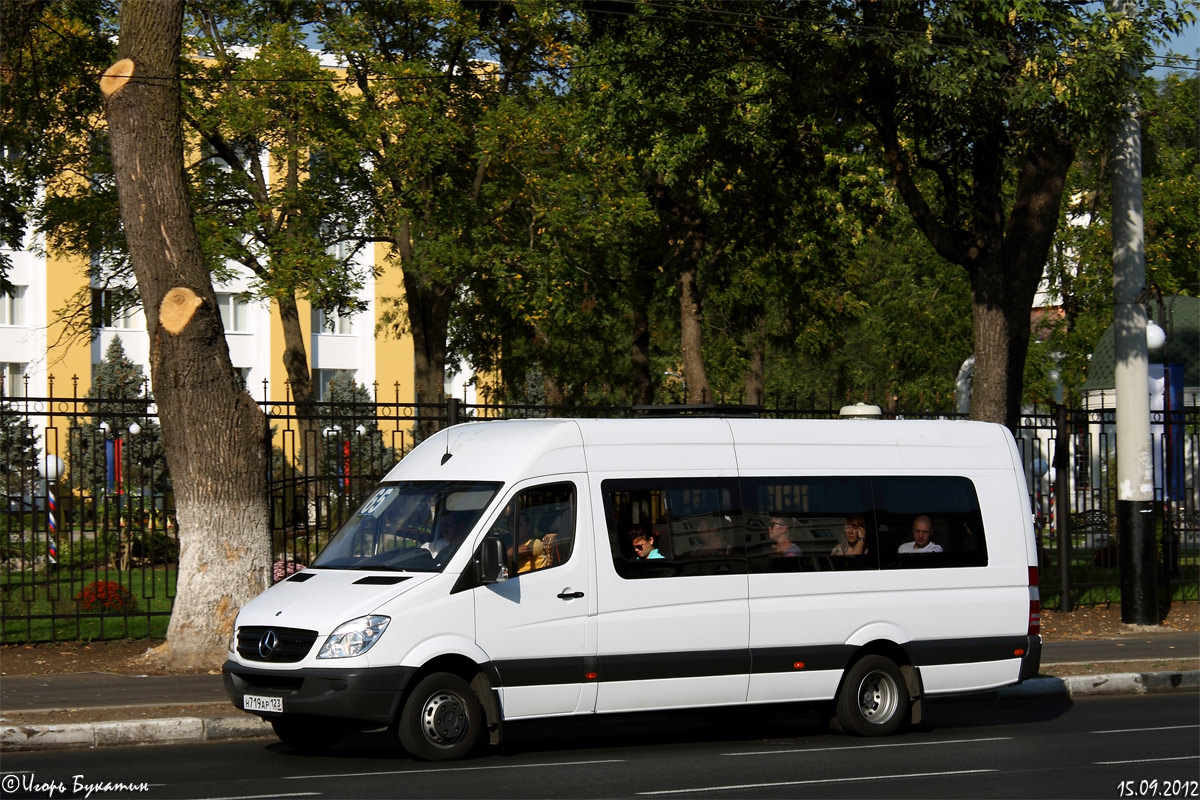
point(442, 719)
point(874, 698)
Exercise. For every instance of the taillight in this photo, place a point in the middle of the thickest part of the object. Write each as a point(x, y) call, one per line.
point(1035, 604)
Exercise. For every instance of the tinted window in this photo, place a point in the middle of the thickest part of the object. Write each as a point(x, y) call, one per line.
point(538, 527)
point(683, 526)
point(947, 506)
point(799, 524)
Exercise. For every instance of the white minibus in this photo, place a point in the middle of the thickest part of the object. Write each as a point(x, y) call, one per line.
point(510, 570)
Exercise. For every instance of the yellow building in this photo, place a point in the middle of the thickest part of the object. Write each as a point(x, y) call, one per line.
point(39, 360)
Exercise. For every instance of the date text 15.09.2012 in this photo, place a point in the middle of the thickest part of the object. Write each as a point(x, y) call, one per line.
point(1158, 788)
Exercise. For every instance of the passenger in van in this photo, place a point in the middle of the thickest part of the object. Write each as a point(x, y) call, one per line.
point(711, 543)
point(534, 554)
point(856, 538)
point(922, 542)
point(643, 540)
point(450, 533)
point(782, 539)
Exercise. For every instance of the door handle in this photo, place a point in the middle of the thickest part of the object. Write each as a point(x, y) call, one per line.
point(565, 595)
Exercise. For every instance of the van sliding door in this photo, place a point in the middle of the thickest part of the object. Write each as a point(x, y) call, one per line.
point(672, 623)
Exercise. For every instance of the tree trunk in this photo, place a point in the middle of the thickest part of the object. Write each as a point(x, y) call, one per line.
point(1001, 344)
point(213, 432)
point(755, 378)
point(307, 449)
point(642, 291)
point(1005, 279)
point(685, 228)
point(691, 336)
point(428, 303)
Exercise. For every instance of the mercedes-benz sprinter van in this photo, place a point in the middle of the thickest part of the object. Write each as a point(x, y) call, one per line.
point(510, 570)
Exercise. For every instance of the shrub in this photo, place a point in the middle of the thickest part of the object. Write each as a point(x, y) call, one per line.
point(281, 569)
point(106, 596)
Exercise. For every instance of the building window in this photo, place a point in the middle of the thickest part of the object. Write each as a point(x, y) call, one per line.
point(14, 379)
point(234, 313)
point(332, 322)
point(321, 378)
point(107, 310)
point(12, 307)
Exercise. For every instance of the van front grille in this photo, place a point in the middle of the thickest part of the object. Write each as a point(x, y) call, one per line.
point(277, 645)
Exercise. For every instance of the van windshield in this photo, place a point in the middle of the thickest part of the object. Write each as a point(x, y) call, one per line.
point(408, 526)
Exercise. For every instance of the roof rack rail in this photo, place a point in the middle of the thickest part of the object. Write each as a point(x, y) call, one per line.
point(699, 410)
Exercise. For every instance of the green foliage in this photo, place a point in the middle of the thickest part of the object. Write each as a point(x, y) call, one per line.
point(1080, 271)
point(51, 55)
point(268, 186)
point(19, 451)
point(543, 174)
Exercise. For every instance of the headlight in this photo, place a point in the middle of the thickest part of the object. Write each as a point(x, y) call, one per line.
point(355, 637)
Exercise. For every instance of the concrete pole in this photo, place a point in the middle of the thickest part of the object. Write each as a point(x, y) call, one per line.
point(1135, 481)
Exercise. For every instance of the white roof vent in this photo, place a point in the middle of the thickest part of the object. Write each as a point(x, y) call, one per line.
point(861, 411)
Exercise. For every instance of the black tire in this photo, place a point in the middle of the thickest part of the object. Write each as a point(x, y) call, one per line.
point(874, 698)
point(306, 737)
point(442, 719)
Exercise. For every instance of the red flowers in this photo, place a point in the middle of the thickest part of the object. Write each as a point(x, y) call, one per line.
point(108, 596)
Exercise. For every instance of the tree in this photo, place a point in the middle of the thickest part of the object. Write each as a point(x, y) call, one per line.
point(979, 109)
point(549, 302)
point(43, 52)
point(213, 432)
point(117, 399)
point(269, 186)
point(421, 77)
point(731, 134)
point(19, 449)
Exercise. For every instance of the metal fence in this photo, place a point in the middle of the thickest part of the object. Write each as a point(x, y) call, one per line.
point(92, 553)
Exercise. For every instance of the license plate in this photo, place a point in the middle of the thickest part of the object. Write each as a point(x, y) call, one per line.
point(253, 702)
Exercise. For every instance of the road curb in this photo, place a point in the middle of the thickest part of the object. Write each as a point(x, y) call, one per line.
point(1117, 683)
point(180, 730)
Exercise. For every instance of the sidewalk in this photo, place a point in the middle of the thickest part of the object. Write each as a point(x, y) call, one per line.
point(95, 709)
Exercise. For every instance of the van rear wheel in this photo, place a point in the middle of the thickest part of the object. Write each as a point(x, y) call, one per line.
point(442, 719)
point(874, 698)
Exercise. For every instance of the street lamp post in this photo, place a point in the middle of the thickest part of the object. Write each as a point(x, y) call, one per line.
point(1135, 482)
point(51, 469)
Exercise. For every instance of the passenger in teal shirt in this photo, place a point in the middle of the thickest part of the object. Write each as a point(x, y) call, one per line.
point(642, 538)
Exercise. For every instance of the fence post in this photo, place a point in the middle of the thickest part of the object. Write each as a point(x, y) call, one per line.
point(1062, 502)
point(451, 411)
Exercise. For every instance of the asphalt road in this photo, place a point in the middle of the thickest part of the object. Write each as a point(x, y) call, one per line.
point(1093, 747)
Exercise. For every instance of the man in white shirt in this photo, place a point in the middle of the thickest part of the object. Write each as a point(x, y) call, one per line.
point(922, 531)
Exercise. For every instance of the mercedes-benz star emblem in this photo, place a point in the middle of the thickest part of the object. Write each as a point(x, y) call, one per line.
point(267, 645)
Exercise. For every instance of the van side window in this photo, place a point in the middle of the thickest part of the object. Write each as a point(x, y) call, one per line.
point(948, 507)
point(538, 527)
point(799, 523)
point(693, 526)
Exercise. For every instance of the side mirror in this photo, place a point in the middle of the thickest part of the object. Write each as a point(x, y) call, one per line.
point(493, 561)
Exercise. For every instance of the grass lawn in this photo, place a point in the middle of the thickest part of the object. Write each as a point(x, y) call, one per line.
point(41, 607)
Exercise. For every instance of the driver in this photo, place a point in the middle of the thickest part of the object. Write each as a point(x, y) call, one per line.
point(450, 533)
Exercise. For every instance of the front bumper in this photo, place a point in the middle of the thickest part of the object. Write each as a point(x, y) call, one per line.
point(362, 696)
